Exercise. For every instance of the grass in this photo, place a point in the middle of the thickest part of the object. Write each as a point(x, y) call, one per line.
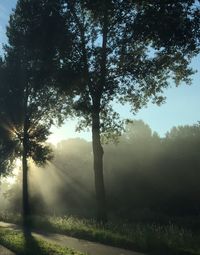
point(26, 244)
point(142, 237)
point(151, 238)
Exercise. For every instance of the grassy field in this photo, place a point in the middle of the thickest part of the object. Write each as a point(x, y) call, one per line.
point(152, 238)
point(26, 244)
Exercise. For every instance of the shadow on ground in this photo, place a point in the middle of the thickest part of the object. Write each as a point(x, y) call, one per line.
point(31, 246)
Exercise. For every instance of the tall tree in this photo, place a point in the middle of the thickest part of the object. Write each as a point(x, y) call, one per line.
point(126, 52)
point(28, 106)
point(123, 51)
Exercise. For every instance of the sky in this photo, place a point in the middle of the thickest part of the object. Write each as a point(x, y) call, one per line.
point(182, 105)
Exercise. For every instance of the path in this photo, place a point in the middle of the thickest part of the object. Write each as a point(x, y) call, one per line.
point(90, 248)
point(4, 251)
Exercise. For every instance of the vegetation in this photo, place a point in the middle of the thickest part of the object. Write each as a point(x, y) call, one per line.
point(153, 238)
point(24, 244)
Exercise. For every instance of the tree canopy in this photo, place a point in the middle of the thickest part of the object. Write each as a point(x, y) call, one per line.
point(129, 51)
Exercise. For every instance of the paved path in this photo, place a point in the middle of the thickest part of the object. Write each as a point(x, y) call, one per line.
point(4, 251)
point(90, 248)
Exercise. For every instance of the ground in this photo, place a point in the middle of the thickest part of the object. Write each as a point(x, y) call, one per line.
point(86, 247)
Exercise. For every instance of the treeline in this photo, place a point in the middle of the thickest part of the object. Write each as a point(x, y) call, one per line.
point(143, 172)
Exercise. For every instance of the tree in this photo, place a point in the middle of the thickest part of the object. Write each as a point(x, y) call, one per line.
point(186, 138)
point(28, 106)
point(25, 123)
point(115, 51)
point(127, 52)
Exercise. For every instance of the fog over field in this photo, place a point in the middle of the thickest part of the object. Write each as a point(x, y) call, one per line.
point(143, 172)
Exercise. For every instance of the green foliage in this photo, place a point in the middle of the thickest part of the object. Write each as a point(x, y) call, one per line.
point(24, 114)
point(7, 146)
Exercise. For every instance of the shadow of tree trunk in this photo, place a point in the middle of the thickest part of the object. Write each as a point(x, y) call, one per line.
point(31, 245)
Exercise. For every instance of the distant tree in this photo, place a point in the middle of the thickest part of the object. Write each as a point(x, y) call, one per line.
point(184, 132)
point(184, 141)
point(126, 52)
point(28, 107)
point(137, 129)
point(180, 166)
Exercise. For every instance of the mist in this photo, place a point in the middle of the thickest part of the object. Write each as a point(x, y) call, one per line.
point(143, 172)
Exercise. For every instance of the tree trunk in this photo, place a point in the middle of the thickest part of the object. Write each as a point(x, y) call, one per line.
point(98, 168)
point(25, 193)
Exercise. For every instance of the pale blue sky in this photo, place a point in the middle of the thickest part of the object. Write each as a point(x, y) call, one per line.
point(182, 104)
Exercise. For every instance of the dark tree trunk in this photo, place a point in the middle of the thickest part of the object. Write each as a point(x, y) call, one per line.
point(26, 208)
point(98, 168)
point(25, 191)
